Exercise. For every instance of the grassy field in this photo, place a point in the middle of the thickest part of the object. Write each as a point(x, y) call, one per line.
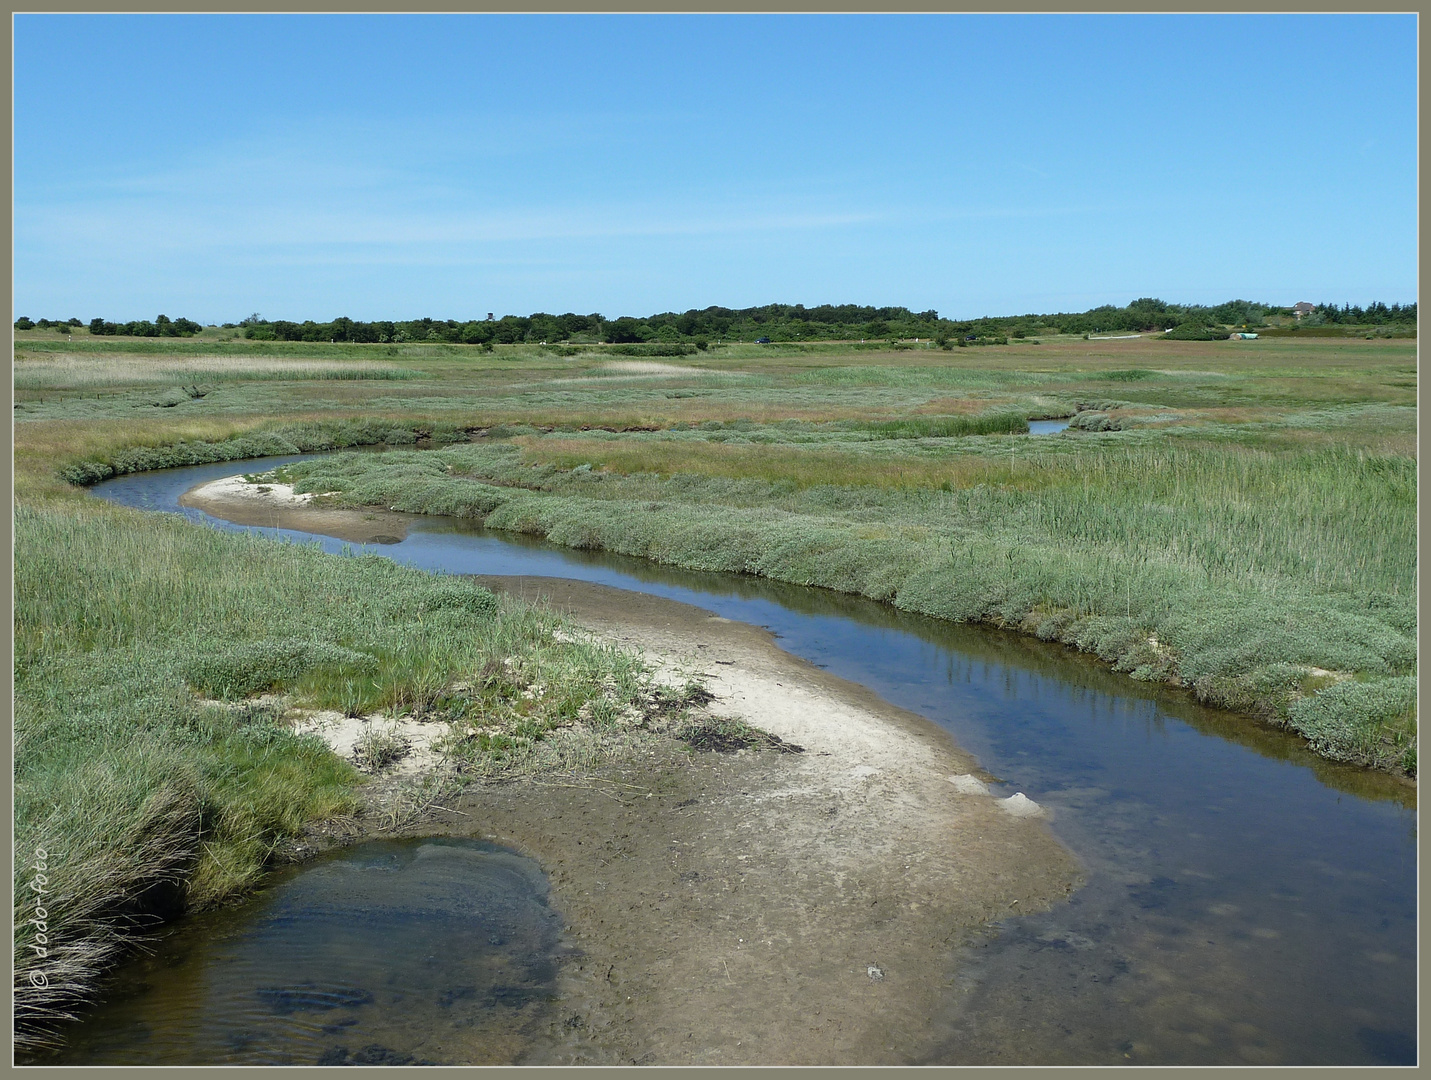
point(1238, 517)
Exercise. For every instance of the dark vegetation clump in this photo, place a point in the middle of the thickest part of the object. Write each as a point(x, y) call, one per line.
point(726, 735)
point(1195, 331)
point(669, 348)
point(1366, 723)
point(275, 442)
point(251, 668)
point(1129, 375)
point(377, 748)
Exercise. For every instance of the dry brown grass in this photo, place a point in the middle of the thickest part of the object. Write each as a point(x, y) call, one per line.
point(803, 467)
point(41, 446)
point(654, 414)
point(962, 406)
point(66, 371)
point(1233, 414)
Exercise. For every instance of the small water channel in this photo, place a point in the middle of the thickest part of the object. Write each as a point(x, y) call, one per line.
point(1245, 902)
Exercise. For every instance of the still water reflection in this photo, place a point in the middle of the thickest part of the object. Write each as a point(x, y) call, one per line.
point(388, 953)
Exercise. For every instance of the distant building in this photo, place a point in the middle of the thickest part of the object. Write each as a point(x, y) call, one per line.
point(1303, 308)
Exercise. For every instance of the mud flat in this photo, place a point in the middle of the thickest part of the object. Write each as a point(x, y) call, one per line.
point(762, 907)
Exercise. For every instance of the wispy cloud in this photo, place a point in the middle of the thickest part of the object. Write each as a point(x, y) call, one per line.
point(286, 227)
point(285, 201)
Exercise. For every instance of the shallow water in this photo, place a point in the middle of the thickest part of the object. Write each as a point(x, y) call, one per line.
point(387, 953)
point(1245, 902)
point(1048, 427)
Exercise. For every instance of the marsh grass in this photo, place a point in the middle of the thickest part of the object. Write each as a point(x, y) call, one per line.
point(298, 438)
point(84, 372)
point(944, 427)
point(1291, 517)
point(149, 798)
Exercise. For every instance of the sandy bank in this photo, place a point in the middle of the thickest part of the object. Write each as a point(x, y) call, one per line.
point(278, 506)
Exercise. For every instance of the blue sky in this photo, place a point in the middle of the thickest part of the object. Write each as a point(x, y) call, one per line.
point(398, 166)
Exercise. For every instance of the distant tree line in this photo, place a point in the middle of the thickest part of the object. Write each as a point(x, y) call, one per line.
point(1377, 314)
point(776, 322)
point(64, 326)
point(508, 330)
point(786, 322)
point(162, 326)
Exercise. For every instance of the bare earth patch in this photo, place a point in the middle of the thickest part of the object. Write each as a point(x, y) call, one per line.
point(278, 506)
point(628, 370)
point(651, 367)
point(349, 736)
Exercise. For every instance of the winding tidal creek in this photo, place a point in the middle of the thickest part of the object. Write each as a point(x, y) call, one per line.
point(1245, 902)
